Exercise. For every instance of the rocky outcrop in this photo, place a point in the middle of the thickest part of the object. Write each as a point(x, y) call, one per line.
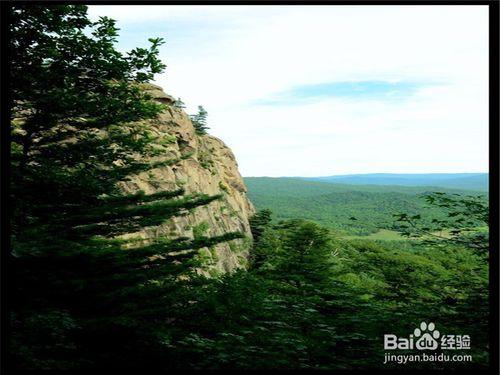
point(206, 166)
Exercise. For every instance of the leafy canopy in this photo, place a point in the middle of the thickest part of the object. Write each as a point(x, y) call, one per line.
point(465, 222)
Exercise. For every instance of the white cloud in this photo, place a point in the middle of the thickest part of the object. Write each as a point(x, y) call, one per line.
point(229, 57)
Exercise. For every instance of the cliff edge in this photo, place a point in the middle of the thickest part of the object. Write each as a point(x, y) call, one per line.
point(207, 166)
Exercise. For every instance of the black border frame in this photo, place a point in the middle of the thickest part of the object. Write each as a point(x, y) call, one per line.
point(494, 154)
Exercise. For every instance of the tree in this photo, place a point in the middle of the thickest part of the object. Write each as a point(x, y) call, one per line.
point(271, 316)
point(259, 222)
point(199, 121)
point(306, 254)
point(79, 129)
point(69, 84)
point(465, 222)
point(179, 103)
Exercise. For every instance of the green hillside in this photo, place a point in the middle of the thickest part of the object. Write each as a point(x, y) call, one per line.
point(348, 209)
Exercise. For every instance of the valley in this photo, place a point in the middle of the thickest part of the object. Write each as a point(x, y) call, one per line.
point(348, 210)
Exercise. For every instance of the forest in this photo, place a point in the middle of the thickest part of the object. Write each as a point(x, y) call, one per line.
point(348, 210)
point(310, 297)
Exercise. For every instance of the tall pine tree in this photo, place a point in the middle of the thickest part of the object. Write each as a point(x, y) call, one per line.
point(83, 296)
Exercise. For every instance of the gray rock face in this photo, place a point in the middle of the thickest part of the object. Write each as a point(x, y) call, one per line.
point(210, 168)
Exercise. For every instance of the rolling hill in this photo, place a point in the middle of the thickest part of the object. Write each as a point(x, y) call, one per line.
point(348, 209)
point(469, 181)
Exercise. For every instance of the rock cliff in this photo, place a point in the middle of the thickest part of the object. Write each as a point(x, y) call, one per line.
point(206, 166)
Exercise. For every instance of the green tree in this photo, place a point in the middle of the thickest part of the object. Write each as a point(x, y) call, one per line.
point(305, 256)
point(270, 317)
point(259, 222)
point(70, 87)
point(179, 103)
point(199, 121)
point(314, 301)
point(84, 297)
point(464, 222)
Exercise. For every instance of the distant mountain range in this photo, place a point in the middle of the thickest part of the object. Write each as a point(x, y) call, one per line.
point(468, 181)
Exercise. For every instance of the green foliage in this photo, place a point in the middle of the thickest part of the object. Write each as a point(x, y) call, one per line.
point(88, 298)
point(465, 221)
point(223, 187)
point(179, 103)
point(84, 296)
point(199, 121)
point(346, 209)
point(200, 229)
point(317, 302)
point(259, 222)
point(206, 161)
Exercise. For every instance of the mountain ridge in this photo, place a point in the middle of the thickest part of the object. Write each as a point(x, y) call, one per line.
point(468, 181)
point(461, 181)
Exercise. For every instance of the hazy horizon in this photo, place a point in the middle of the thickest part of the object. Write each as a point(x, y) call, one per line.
point(379, 173)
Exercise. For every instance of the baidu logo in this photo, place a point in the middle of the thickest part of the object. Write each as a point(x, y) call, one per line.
point(426, 337)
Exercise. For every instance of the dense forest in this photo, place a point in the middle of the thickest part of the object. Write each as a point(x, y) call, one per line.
point(309, 298)
point(357, 210)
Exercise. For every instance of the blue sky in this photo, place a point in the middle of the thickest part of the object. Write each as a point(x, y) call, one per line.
point(323, 90)
point(360, 90)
